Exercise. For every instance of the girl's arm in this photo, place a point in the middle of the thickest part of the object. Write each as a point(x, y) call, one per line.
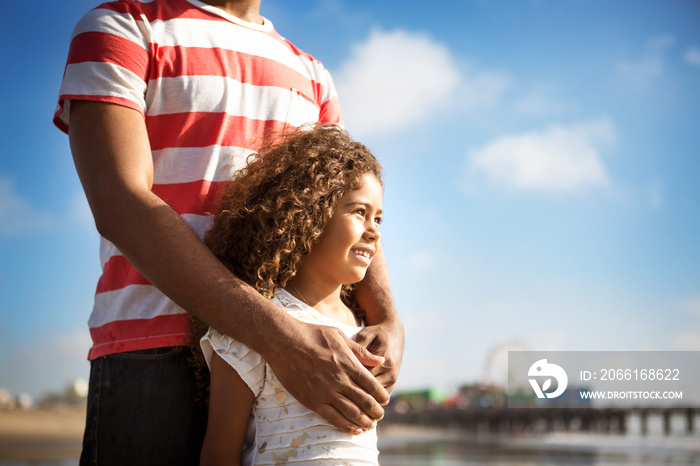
point(230, 403)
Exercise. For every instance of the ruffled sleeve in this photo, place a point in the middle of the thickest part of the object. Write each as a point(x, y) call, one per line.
point(248, 363)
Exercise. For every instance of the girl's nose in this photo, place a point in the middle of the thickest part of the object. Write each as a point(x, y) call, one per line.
point(372, 232)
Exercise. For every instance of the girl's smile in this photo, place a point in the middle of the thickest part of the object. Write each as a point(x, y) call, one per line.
point(365, 254)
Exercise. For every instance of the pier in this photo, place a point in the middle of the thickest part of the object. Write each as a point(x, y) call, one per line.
point(517, 420)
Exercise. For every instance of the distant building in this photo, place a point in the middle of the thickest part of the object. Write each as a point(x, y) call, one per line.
point(77, 390)
point(75, 394)
point(479, 396)
point(417, 400)
point(24, 401)
point(7, 401)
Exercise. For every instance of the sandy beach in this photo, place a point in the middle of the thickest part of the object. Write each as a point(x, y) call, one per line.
point(39, 434)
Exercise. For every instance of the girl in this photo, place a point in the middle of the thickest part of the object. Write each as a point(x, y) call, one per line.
point(301, 224)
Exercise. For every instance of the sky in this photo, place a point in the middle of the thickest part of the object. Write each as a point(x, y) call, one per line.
point(542, 187)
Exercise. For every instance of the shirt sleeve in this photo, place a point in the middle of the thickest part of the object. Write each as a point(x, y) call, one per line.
point(248, 363)
point(330, 113)
point(108, 60)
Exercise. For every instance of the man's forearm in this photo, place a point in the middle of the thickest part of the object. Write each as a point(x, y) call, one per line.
point(160, 244)
point(374, 294)
point(112, 155)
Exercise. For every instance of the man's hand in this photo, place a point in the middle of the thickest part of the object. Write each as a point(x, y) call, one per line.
point(384, 340)
point(324, 371)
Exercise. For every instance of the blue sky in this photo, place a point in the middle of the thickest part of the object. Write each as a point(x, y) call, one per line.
point(542, 177)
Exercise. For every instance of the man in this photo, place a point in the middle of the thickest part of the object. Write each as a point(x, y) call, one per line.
point(161, 100)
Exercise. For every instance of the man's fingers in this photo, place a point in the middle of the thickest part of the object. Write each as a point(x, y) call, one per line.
point(364, 339)
point(386, 378)
point(356, 417)
point(368, 393)
point(340, 422)
point(377, 341)
point(364, 356)
point(365, 401)
point(333, 416)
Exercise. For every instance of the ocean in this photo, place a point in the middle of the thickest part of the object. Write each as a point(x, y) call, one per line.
point(408, 446)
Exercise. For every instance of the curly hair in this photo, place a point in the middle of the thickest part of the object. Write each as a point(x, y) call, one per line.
point(273, 211)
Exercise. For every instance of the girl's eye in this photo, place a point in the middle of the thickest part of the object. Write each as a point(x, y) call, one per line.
point(378, 220)
point(360, 212)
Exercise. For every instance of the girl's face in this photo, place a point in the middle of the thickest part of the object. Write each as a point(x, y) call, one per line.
point(351, 238)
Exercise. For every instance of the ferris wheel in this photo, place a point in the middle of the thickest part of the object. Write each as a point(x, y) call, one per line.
point(496, 365)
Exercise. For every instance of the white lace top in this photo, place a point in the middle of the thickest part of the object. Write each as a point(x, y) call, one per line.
point(282, 430)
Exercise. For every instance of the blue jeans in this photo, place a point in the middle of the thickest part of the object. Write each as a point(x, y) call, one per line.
point(143, 409)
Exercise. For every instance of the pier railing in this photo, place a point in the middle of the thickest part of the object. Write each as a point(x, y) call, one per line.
point(515, 420)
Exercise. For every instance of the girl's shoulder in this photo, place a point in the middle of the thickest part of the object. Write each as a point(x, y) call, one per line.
point(305, 313)
point(298, 309)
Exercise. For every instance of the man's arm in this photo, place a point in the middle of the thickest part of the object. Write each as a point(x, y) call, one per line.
point(383, 335)
point(316, 364)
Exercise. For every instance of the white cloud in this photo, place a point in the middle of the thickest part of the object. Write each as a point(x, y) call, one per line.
point(692, 56)
point(556, 159)
point(17, 216)
point(642, 73)
point(394, 79)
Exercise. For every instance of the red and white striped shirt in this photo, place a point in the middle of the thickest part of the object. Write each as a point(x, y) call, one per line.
point(209, 86)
